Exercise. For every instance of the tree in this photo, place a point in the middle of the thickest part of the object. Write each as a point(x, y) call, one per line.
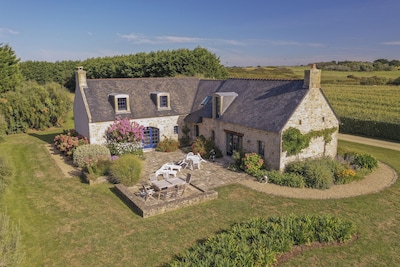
point(10, 74)
point(33, 106)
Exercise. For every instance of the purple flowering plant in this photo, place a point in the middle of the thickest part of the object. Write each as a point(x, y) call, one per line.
point(124, 136)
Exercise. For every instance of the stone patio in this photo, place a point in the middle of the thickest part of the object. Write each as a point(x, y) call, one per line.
point(210, 176)
point(204, 180)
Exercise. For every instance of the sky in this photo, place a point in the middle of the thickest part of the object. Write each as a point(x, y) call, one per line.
point(239, 33)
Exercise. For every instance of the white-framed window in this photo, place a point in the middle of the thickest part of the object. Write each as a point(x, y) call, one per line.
point(162, 100)
point(120, 103)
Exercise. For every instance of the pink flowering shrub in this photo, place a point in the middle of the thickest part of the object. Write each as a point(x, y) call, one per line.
point(124, 136)
point(68, 141)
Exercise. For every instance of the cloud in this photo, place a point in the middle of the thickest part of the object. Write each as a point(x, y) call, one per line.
point(139, 38)
point(391, 43)
point(7, 31)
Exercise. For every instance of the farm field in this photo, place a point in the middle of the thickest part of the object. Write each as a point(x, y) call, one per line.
point(366, 104)
point(374, 103)
point(297, 72)
point(65, 222)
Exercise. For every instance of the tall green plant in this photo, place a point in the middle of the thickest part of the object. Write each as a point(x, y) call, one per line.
point(126, 169)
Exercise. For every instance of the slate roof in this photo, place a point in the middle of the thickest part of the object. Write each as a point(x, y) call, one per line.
point(261, 104)
point(182, 93)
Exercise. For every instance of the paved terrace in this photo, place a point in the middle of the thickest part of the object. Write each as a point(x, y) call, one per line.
point(210, 176)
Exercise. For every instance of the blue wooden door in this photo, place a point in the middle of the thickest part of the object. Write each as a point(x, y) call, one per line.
point(151, 137)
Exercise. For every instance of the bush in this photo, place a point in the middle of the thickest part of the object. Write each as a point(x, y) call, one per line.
point(253, 164)
point(124, 136)
point(286, 179)
point(203, 146)
point(316, 173)
point(365, 161)
point(167, 145)
point(68, 141)
point(344, 176)
point(185, 139)
point(126, 169)
point(86, 155)
point(34, 106)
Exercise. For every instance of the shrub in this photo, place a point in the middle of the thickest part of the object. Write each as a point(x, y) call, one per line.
point(365, 161)
point(286, 179)
point(167, 145)
point(275, 177)
point(293, 180)
point(185, 139)
point(316, 173)
point(203, 146)
point(87, 154)
point(253, 164)
point(199, 145)
point(124, 136)
point(126, 169)
point(344, 176)
point(68, 141)
point(99, 167)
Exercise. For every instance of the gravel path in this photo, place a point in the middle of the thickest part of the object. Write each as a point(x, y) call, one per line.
point(380, 179)
point(215, 175)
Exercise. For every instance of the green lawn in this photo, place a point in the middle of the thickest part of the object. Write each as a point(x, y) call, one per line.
point(65, 222)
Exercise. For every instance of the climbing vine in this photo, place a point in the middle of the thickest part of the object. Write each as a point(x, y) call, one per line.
point(293, 141)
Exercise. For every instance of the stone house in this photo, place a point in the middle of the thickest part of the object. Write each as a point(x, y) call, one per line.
point(247, 114)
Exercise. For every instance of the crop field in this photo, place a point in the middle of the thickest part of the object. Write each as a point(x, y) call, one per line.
point(328, 77)
point(375, 103)
point(372, 103)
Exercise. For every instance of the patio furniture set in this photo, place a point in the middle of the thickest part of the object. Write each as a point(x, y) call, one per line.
point(170, 186)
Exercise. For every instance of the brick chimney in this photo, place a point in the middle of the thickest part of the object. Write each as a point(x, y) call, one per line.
point(80, 77)
point(312, 78)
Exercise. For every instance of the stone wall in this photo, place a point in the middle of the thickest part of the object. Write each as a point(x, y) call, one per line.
point(145, 209)
point(250, 139)
point(164, 124)
point(313, 114)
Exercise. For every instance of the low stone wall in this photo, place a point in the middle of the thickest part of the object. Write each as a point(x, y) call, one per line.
point(147, 209)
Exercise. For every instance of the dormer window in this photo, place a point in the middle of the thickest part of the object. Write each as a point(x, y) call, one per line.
point(120, 103)
point(221, 102)
point(162, 100)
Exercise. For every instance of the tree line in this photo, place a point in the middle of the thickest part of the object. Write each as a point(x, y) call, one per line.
point(376, 65)
point(34, 94)
point(170, 63)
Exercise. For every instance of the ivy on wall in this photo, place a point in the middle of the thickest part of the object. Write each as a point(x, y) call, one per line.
point(293, 141)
